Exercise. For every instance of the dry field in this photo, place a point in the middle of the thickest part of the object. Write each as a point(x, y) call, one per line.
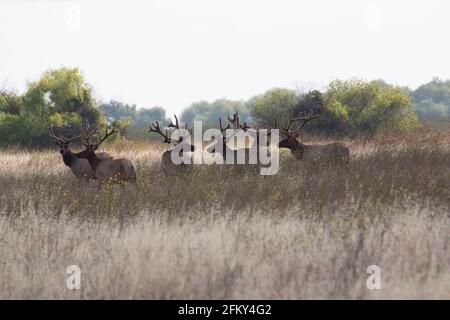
point(308, 232)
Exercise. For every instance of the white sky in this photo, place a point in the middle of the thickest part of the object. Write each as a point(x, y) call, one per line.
point(171, 53)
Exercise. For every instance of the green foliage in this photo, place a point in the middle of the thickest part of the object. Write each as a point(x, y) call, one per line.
point(429, 110)
point(311, 101)
point(63, 91)
point(61, 97)
point(433, 100)
point(335, 118)
point(141, 118)
point(132, 122)
point(277, 102)
point(64, 98)
point(14, 129)
point(10, 102)
point(210, 112)
point(115, 110)
point(146, 116)
point(347, 107)
point(357, 106)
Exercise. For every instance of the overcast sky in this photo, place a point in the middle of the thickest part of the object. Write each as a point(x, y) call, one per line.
point(171, 53)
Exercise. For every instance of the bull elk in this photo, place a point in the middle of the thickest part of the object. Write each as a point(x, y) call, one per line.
point(115, 170)
point(336, 151)
point(221, 147)
point(235, 125)
point(80, 167)
point(167, 165)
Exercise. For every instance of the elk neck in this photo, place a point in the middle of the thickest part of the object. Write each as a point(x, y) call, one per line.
point(297, 148)
point(93, 160)
point(68, 158)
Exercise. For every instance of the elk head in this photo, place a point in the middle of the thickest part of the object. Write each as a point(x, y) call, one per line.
point(63, 144)
point(290, 141)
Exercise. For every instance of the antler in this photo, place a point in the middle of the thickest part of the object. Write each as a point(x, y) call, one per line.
point(236, 122)
point(111, 130)
point(154, 127)
point(177, 126)
point(303, 118)
point(88, 133)
point(61, 139)
point(222, 129)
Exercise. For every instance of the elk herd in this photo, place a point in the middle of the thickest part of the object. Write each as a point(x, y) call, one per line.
point(90, 164)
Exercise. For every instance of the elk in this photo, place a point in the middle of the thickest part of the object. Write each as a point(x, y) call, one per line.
point(167, 165)
point(80, 167)
point(336, 151)
point(115, 170)
point(222, 148)
point(236, 125)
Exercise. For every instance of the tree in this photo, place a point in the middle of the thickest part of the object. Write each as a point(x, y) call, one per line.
point(145, 116)
point(429, 110)
point(210, 113)
point(433, 100)
point(61, 97)
point(141, 118)
point(115, 110)
point(358, 106)
point(132, 122)
point(10, 102)
point(275, 102)
point(311, 101)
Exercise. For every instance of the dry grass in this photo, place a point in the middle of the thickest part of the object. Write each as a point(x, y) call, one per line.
point(309, 232)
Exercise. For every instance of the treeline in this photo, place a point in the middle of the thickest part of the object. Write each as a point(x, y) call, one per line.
point(64, 98)
point(433, 100)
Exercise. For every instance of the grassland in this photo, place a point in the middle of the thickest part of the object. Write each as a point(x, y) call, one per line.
point(310, 231)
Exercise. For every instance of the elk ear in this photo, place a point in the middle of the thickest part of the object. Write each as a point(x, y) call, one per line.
point(57, 143)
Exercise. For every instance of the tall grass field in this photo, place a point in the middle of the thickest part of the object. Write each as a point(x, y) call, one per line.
point(309, 232)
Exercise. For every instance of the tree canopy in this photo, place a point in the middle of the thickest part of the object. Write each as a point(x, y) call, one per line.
point(346, 107)
point(141, 118)
point(210, 112)
point(64, 98)
point(61, 97)
point(433, 100)
point(277, 102)
point(357, 106)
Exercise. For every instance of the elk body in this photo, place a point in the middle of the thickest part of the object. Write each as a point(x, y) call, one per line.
point(80, 167)
point(335, 152)
point(167, 165)
point(114, 170)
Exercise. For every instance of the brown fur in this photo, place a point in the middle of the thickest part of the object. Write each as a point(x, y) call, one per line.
point(335, 151)
point(80, 167)
point(115, 170)
point(167, 165)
